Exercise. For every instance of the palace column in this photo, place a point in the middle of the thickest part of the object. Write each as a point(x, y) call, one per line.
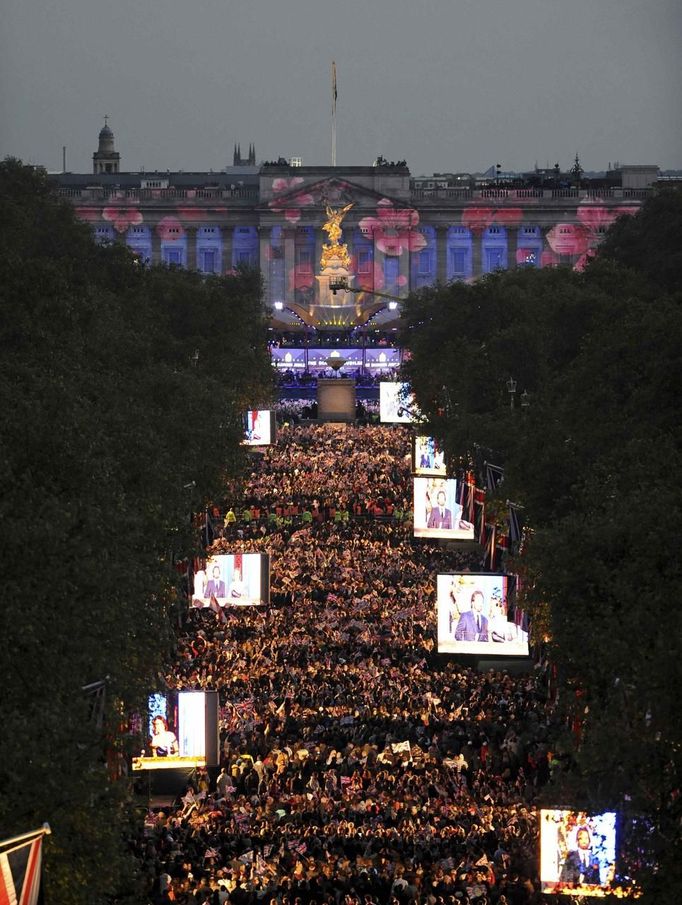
point(404, 270)
point(226, 232)
point(442, 253)
point(156, 244)
point(347, 237)
point(476, 250)
point(264, 252)
point(544, 230)
point(191, 234)
point(319, 242)
point(377, 259)
point(512, 246)
point(289, 233)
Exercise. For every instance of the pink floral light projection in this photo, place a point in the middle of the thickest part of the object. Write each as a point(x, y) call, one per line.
point(549, 259)
point(595, 217)
point(122, 217)
point(526, 256)
point(583, 260)
point(88, 214)
point(580, 240)
point(282, 186)
point(508, 216)
point(374, 280)
point(477, 218)
point(170, 229)
point(568, 239)
point(394, 229)
point(299, 278)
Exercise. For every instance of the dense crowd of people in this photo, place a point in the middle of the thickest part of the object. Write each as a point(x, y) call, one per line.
point(358, 766)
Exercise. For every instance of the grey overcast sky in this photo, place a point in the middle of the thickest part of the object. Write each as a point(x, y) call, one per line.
point(448, 85)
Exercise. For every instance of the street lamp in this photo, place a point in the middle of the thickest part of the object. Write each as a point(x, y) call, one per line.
point(525, 399)
point(511, 389)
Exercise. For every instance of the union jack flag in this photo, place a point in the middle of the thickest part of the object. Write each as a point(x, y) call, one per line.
point(20, 871)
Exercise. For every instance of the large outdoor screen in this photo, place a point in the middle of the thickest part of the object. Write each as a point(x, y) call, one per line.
point(437, 512)
point(396, 403)
point(259, 427)
point(181, 731)
point(577, 852)
point(474, 616)
point(428, 458)
point(233, 579)
point(374, 360)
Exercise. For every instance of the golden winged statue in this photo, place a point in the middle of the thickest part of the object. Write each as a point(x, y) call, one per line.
point(332, 226)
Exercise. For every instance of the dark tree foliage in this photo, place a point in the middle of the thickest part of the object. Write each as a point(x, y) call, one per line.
point(648, 242)
point(595, 459)
point(121, 390)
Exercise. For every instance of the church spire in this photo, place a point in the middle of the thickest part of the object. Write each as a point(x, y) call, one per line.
point(249, 160)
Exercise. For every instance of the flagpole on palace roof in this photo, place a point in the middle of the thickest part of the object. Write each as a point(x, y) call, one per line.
point(333, 113)
point(44, 831)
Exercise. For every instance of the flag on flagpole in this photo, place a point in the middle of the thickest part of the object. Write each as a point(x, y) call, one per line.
point(514, 523)
point(334, 95)
point(494, 475)
point(20, 870)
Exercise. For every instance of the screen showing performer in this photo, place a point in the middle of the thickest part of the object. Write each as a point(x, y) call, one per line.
point(437, 512)
point(396, 403)
point(428, 458)
point(475, 617)
point(232, 579)
point(259, 427)
point(577, 852)
point(163, 742)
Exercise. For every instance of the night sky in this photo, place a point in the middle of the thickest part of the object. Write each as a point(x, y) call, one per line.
point(448, 85)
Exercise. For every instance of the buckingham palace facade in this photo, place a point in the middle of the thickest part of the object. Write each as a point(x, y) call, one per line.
point(402, 233)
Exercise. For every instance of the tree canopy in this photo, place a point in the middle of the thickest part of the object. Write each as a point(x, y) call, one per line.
point(122, 389)
point(595, 461)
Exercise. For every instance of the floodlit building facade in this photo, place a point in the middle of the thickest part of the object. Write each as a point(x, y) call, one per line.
point(402, 232)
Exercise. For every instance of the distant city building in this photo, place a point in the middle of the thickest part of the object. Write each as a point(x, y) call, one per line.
point(105, 159)
point(239, 161)
point(402, 232)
